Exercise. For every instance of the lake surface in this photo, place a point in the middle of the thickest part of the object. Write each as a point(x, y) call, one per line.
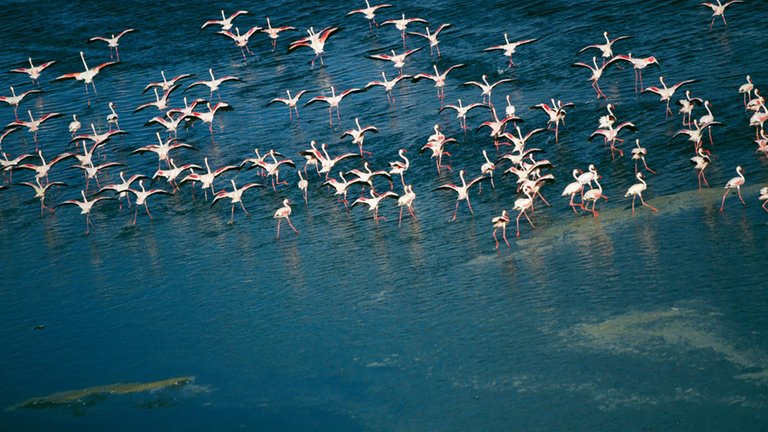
point(651, 322)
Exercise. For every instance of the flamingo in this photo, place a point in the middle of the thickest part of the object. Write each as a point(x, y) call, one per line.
point(9, 164)
point(160, 103)
point(341, 187)
point(573, 188)
point(33, 125)
point(173, 172)
point(432, 38)
point(14, 100)
point(225, 22)
point(290, 102)
point(638, 153)
point(522, 205)
point(398, 60)
point(719, 10)
point(40, 192)
point(112, 41)
point(486, 87)
point(214, 83)
point(402, 24)
point(122, 189)
point(500, 222)
point(162, 149)
point(462, 191)
point(519, 141)
point(96, 138)
point(316, 41)
point(33, 71)
point(400, 167)
point(700, 163)
point(638, 65)
point(141, 197)
point(597, 72)
point(327, 163)
point(41, 171)
point(406, 201)
point(274, 32)
point(272, 169)
point(665, 93)
point(461, 111)
point(235, 196)
point(764, 197)
point(487, 168)
point(206, 180)
point(746, 89)
point(611, 135)
point(284, 212)
point(509, 47)
point(636, 190)
point(606, 48)
point(387, 84)
point(91, 171)
point(207, 117)
point(369, 12)
point(368, 175)
point(358, 135)
point(708, 119)
point(166, 84)
point(85, 208)
point(373, 203)
point(736, 183)
point(303, 186)
point(112, 118)
point(74, 125)
point(167, 121)
point(687, 105)
point(556, 113)
point(241, 40)
point(333, 101)
point(496, 126)
point(438, 78)
point(594, 195)
point(87, 75)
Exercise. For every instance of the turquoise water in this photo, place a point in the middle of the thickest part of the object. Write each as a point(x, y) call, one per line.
point(655, 322)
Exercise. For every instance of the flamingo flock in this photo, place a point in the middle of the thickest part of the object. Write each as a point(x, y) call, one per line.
point(524, 167)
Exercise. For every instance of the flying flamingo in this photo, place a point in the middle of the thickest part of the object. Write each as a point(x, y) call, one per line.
point(207, 117)
point(369, 12)
point(316, 41)
point(719, 10)
point(597, 72)
point(462, 110)
point(33, 125)
point(606, 48)
point(487, 88)
point(122, 189)
point(638, 153)
point(333, 101)
point(225, 22)
point(14, 100)
point(736, 183)
point(556, 113)
point(402, 23)
point(241, 40)
point(34, 71)
point(358, 135)
point(366, 177)
point(487, 168)
point(274, 32)
point(700, 163)
point(87, 75)
point(438, 78)
point(9, 164)
point(214, 83)
point(40, 191)
point(235, 197)
point(290, 102)
point(113, 42)
point(638, 65)
point(400, 167)
point(141, 199)
point(373, 203)
point(206, 180)
point(162, 149)
point(284, 212)
point(41, 171)
point(91, 171)
point(398, 60)
point(341, 187)
point(509, 47)
point(462, 191)
point(500, 222)
point(166, 84)
point(636, 190)
point(665, 93)
point(432, 38)
point(85, 208)
point(387, 84)
point(611, 135)
point(687, 105)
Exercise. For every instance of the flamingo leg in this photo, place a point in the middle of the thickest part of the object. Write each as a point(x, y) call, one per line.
point(400, 219)
point(646, 204)
point(278, 229)
point(722, 205)
point(504, 234)
point(738, 190)
point(455, 211)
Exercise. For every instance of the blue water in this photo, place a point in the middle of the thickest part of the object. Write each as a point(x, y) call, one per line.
point(655, 322)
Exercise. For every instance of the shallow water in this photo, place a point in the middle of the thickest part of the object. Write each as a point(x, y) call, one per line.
point(649, 322)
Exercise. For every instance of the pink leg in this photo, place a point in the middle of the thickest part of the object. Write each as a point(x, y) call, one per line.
point(495, 239)
point(738, 190)
point(647, 205)
point(722, 205)
point(278, 229)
